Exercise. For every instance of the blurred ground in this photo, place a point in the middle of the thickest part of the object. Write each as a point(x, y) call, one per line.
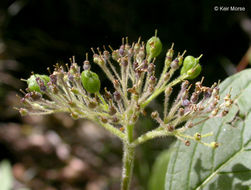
point(55, 152)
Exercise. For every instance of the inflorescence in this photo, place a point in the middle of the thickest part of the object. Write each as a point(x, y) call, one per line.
point(68, 89)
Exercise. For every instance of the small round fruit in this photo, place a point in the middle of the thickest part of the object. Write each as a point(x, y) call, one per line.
point(188, 63)
point(90, 81)
point(45, 78)
point(153, 46)
point(194, 72)
point(32, 82)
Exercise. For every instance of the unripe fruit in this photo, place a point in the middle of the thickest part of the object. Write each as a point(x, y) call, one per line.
point(191, 67)
point(194, 72)
point(153, 46)
point(90, 81)
point(32, 82)
point(189, 63)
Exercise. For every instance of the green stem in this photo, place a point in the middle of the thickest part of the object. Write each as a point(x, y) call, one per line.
point(106, 107)
point(112, 129)
point(158, 132)
point(130, 132)
point(157, 92)
point(128, 158)
point(127, 170)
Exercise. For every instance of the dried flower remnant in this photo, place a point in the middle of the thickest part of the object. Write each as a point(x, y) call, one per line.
point(68, 89)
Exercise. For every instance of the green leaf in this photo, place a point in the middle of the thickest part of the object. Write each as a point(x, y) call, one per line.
point(5, 175)
point(229, 166)
point(157, 178)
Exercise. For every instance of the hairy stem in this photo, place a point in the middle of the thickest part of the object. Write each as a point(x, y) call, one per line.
point(127, 170)
point(157, 92)
point(111, 129)
point(159, 132)
point(128, 158)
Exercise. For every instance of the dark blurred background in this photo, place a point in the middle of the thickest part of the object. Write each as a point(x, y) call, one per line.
point(54, 152)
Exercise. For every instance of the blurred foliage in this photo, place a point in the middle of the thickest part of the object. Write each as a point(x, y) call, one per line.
point(158, 174)
point(5, 175)
point(35, 35)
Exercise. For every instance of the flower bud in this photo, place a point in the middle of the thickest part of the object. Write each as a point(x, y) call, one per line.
point(215, 112)
point(112, 110)
point(184, 85)
point(140, 55)
point(152, 79)
point(194, 98)
point(115, 55)
point(175, 64)
point(74, 115)
point(92, 104)
point(74, 90)
point(117, 96)
point(169, 54)
point(124, 61)
point(107, 94)
point(208, 93)
point(103, 119)
point(90, 81)
point(98, 59)
point(151, 68)
point(121, 50)
point(181, 111)
point(136, 47)
point(23, 101)
point(116, 83)
point(154, 114)
point(170, 128)
point(168, 91)
point(189, 125)
point(70, 76)
point(186, 103)
point(115, 119)
point(214, 144)
point(153, 46)
point(35, 96)
point(23, 111)
point(106, 55)
point(180, 59)
point(87, 65)
point(187, 143)
point(197, 136)
point(224, 112)
point(53, 79)
point(167, 76)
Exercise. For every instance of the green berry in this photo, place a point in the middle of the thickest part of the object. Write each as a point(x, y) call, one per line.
point(194, 72)
point(90, 81)
point(188, 63)
point(191, 67)
point(32, 83)
point(153, 46)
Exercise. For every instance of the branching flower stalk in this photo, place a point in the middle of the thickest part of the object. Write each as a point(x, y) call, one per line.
point(68, 89)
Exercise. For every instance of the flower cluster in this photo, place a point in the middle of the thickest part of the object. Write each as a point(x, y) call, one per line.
point(68, 89)
point(202, 105)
